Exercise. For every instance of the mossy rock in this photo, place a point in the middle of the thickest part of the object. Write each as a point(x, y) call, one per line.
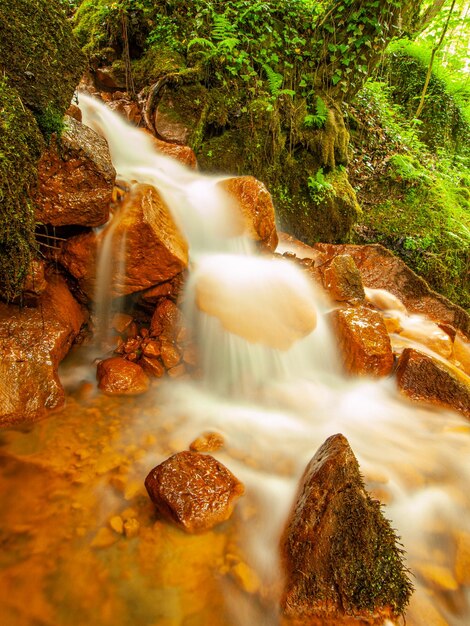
point(41, 64)
point(39, 53)
point(20, 147)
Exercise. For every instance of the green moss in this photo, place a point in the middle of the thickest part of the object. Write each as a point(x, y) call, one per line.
point(20, 147)
point(40, 64)
point(39, 53)
point(155, 63)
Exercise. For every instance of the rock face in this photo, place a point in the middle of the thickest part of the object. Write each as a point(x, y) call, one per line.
point(120, 377)
point(342, 279)
point(195, 491)
point(341, 558)
point(145, 241)
point(420, 377)
point(380, 269)
point(363, 341)
point(183, 154)
point(75, 179)
point(256, 206)
point(32, 343)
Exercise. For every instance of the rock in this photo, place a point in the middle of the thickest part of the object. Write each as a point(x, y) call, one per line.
point(166, 320)
point(380, 269)
point(180, 113)
point(423, 378)
point(33, 341)
point(170, 354)
point(342, 279)
point(75, 179)
point(152, 367)
point(109, 78)
point(363, 341)
point(256, 206)
point(183, 154)
point(195, 491)
point(340, 554)
point(34, 285)
point(128, 109)
point(120, 377)
point(155, 250)
point(207, 442)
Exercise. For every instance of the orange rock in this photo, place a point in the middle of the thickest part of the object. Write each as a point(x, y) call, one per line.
point(166, 320)
point(380, 269)
point(194, 491)
point(33, 341)
point(154, 250)
point(177, 371)
point(183, 154)
point(207, 442)
point(422, 378)
point(117, 376)
point(342, 279)
point(255, 204)
point(75, 179)
point(152, 367)
point(152, 349)
point(363, 341)
point(170, 354)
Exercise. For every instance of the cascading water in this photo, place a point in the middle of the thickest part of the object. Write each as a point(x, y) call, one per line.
point(272, 387)
point(80, 541)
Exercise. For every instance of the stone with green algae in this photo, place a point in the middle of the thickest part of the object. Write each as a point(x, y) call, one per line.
point(342, 558)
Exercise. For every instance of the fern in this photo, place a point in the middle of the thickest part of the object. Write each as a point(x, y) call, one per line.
point(222, 29)
point(275, 80)
point(201, 41)
point(317, 119)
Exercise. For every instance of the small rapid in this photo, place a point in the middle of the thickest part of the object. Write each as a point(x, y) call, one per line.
point(272, 386)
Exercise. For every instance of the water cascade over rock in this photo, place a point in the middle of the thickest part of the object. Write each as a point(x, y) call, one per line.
point(267, 388)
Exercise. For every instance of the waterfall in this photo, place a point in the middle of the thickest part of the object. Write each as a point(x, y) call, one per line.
point(272, 386)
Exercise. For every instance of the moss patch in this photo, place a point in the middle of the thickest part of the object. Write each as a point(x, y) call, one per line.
point(20, 147)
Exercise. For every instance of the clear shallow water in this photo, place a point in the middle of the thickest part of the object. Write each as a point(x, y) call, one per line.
point(82, 543)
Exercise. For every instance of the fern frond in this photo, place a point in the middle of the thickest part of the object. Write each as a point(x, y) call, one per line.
point(222, 29)
point(275, 80)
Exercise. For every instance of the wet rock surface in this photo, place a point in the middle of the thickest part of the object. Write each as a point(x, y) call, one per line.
point(117, 376)
point(194, 491)
point(75, 179)
point(154, 251)
point(256, 206)
point(380, 269)
point(341, 558)
point(423, 378)
point(33, 341)
point(342, 279)
point(183, 154)
point(363, 341)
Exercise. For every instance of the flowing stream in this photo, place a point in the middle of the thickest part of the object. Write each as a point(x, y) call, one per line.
point(273, 388)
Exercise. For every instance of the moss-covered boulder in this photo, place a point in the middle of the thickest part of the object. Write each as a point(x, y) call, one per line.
point(40, 64)
point(341, 557)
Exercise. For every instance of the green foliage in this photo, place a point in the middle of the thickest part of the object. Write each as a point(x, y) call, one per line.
point(445, 119)
point(415, 202)
point(319, 188)
point(317, 119)
point(50, 121)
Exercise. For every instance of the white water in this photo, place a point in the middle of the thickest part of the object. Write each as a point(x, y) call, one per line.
point(275, 407)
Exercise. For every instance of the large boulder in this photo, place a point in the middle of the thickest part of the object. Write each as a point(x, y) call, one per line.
point(256, 206)
point(146, 247)
point(363, 341)
point(427, 379)
point(193, 490)
point(342, 562)
point(33, 341)
point(75, 179)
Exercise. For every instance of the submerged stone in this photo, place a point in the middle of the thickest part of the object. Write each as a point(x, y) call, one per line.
point(342, 279)
point(363, 341)
point(193, 490)
point(423, 378)
point(341, 556)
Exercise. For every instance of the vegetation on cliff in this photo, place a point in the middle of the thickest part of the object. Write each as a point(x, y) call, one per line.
point(40, 64)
